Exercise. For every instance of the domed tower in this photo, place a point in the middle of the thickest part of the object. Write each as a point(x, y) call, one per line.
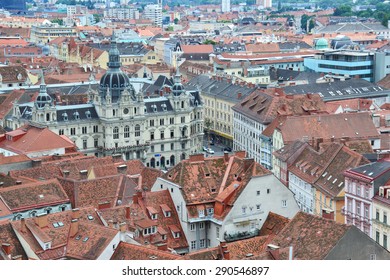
point(43, 110)
point(177, 88)
point(43, 98)
point(114, 81)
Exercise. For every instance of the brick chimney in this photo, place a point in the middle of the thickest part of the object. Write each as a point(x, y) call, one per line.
point(23, 225)
point(104, 205)
point(6, 248)
point(83, 174)
point(162, 247)
point(122, 227)
point(226, 156)
point(74, 227)
point(75, 213)
point(328, 214)
point(122, 168)
point(274, 251)
point(127, 210)
point(41, 220)
point(135, 199)
point(240, 154)
point(226, 255)
point(196, 158)
point(36, 162)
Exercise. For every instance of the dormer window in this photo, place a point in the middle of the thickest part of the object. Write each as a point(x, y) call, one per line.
point(88, 114)
point(201, 213)
point(153, 216)
point(65, 117)
point(149, 230)
point(153, 213)
point(76, 115)
point(167, 214)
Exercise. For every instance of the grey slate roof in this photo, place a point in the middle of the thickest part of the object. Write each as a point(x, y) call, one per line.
point(374, 169)
point(340, 90)
point(124, 48)
point(221, 89)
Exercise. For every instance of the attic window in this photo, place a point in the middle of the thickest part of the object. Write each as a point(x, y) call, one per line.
point(65, 116)
point(76, 115)
point(78, 237)
point(90, 217)
point(207, 174)
point(85, 239)
point(88, 114)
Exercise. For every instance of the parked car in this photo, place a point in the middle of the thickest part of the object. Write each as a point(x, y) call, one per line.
point(227, 149)
point(205, 149)
point(210, 151)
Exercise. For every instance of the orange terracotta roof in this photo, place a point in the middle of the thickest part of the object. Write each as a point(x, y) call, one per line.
point(127, 251)
point(197, 49)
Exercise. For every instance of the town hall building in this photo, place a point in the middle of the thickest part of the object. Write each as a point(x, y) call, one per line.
point(160, 129)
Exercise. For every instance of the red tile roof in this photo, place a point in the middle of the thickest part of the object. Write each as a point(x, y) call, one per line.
point(62, 245)
point(312, 237)
point(127, 251)
point(188, 49)
point(352, 125)
point(7, 235)
point(33, 195)
point(34, 139)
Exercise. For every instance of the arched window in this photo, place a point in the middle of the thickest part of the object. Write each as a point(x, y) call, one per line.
point(115, 133)
point(127, 131)
point(137, 130)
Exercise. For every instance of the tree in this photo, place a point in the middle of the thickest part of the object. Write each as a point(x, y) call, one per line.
point(60, 21)
point(343, 10)
point(175, 21)
point(304, 19)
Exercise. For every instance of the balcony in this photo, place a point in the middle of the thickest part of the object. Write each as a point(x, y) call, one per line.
point(229, 237)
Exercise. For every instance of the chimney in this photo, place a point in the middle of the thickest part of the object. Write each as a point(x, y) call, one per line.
point(65, 173)
point(36, 162)
point(122, 227)
point(226, 156)
point(274, 251)
point(41, 220)
point(18, 182)
point(240, 154)
point(239, 95)
point(196, 158)
point(104, 205)
point(117, 157)
point(226, 255)
point(17, 258)
point(328, 214)
point(6, 248)
point(75, 213)
point(162, 247)
point(83, 174)
point(22, 225)
point(128, 208)
point(122, 168)
point(74, 227)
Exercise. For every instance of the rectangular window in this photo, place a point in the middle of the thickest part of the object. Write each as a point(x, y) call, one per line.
point(258, 207)
point(243, 209)
point(84, 144)
point(151, 122)
point(377, 237)
point(217, 231)
point(183, 119)
point(201, 225)
point(61, 132)
point(152, 149)
point(192, 227)
point(161, 121)
point(284, 203)
point(152, 135)
point(202, 243)
point(84, 130)
point(162, 147)
point(172, 146)
point(201, 213)
point(384, 217)
point(172, 133)
point(377, 215)
point(257, 193)
point(193, 245)
point(95, 129)
point(268, 191)
point(171, 120)
point(162, 135)
point(95, 143)
point(384, 241)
